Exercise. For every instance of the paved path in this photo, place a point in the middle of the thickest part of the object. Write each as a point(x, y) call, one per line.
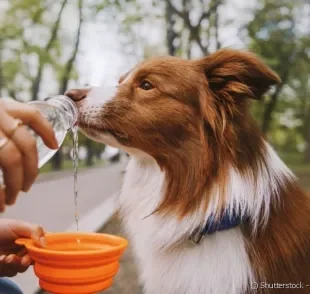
point(50, 203)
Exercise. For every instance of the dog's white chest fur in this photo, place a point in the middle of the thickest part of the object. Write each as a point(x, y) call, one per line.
point(218, 265)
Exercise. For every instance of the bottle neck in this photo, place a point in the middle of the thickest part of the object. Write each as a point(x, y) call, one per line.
point(67, 105)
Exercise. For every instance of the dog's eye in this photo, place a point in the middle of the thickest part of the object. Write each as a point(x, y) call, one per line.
point(146, 85)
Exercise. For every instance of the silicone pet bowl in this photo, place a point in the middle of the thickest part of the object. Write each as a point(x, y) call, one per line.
point(76, 263)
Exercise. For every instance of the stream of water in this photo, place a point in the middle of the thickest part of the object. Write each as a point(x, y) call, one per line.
point(75, 159)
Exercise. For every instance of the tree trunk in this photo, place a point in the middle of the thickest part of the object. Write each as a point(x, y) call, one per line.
point(307, 136)
point(12, 93)
point(307, 152)
point(194, 30)
point(189, 50)
point(171, 34)
point(57, 160)
point(1, 66)
point(270, 107)
point(216, 25)
point(69, 66)
point(98, 154)
point(37, 80)
point(90, 153)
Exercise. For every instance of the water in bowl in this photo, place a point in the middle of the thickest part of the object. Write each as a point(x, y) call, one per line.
point(72, 246)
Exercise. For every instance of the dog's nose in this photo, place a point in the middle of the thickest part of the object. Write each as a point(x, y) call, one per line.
point(77, 94)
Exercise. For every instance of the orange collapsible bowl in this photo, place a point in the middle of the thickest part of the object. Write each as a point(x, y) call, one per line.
point(76, 263)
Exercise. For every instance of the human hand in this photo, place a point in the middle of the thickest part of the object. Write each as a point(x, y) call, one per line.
point(18, 151)
point(14, 258)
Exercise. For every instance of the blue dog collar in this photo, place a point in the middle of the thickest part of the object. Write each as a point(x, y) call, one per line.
point(227, 221)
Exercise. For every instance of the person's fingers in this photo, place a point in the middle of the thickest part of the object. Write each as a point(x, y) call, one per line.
point(12, 168)
point(26, 261)
point(22, 252)
point(38, 236)
point(12, 264)
point(22, 268)
point(34, 119)
point(24, 229)
point(8, 272)
point(26, 143)
point(2, 199)
point(15, 263)
point(12, 260)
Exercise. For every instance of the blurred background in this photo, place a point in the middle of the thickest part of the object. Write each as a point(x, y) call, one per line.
point(48, 46)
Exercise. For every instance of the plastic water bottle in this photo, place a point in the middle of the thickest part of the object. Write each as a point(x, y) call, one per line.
point(62, 114)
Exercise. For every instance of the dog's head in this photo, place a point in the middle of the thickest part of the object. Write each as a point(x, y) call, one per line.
point(179, 111)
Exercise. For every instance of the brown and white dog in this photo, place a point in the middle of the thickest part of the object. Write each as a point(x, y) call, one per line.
point(198, 157)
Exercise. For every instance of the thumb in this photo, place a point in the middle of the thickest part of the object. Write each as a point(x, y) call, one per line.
point(28, 230)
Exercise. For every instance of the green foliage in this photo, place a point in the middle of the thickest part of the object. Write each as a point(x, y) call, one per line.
point(278, 34)
point(68, 165)
point(274, 30)
point(25, 31)
point(21, 20)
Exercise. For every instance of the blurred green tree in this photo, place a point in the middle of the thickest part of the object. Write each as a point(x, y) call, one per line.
point(24, 29)
point(278, 34)
point(32, 40)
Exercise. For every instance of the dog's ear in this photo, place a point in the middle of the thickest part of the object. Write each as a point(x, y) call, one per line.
point(235, 74)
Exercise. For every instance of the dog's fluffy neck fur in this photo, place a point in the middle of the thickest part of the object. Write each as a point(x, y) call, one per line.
point(166, 258)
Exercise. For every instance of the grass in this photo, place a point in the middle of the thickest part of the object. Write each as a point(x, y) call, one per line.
point(295, 161)
point(300, 168)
